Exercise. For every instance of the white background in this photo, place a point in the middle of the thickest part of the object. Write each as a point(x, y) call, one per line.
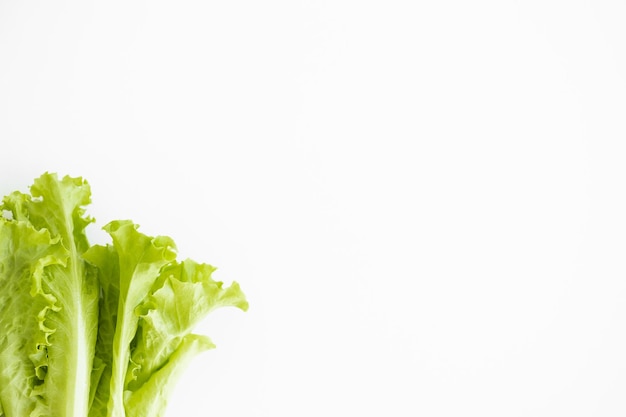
point(425, 201)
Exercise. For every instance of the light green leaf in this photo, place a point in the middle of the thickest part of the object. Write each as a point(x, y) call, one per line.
point(140, 259)
point(151, 398)
point(188, 293)
point(100, 331)
point(50, 300)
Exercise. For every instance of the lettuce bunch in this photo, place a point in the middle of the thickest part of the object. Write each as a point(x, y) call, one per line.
point(98, 331)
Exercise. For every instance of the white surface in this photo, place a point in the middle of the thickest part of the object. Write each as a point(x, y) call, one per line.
point(425, 202)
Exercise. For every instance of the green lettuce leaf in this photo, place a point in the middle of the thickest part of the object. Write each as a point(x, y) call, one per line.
point(139, 260)
point(49, 301)
point(150, 303)
point(166, 320)
point(94, 331)
point(151, 398)
point(164, 343)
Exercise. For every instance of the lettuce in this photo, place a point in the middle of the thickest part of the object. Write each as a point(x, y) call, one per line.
point(98, 331)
